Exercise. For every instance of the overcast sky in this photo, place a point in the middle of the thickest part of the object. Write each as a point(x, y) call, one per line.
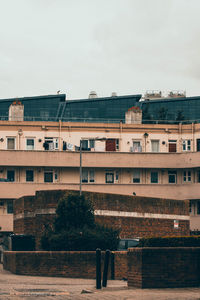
point(126, 46)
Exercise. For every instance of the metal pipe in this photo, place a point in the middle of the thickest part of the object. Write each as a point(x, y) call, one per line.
point(80, 189)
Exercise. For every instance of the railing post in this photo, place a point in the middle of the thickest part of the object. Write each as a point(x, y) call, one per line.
point(98, 268)
point(105, 271)
point(112, 265)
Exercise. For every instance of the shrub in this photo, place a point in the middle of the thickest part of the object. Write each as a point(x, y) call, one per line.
point(186, 241)
point(75, 229)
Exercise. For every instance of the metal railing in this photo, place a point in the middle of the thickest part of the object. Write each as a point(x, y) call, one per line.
point(97, 120)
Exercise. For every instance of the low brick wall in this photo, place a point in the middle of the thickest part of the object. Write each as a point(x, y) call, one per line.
point(163, 267)
point(71, 264)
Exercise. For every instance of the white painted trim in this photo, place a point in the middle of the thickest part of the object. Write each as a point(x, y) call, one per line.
point(111, 213)
point(114, 213)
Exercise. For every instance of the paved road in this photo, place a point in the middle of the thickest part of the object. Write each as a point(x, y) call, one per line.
point(55, 288)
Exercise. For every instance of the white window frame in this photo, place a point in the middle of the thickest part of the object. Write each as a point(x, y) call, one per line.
point(187, 176)
point(54, 141)
point(158, 143)
point(89, 175)
point(27, 146)
point(136, 176)
point(117, 144)
point(186, 145)
point(136, 148)
point(13, 138)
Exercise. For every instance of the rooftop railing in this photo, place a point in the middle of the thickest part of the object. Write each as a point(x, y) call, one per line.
point(96, 120)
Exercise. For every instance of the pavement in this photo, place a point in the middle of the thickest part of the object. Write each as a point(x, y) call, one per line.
point(56, 288)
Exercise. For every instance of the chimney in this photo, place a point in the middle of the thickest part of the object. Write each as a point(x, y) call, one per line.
point(133, 115)
point(16, 111)
point(92, 95)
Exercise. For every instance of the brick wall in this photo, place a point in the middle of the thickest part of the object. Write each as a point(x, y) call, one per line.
point(163, 267)
point(71, 264)
point(32, 213)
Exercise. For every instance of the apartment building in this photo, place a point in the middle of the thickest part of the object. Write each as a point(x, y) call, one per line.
point(125, 157)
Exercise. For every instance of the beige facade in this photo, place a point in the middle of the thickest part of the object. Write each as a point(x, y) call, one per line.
point(147, 160)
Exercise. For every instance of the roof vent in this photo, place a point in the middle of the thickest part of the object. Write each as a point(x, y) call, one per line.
point(114, 94)
point(92, 95)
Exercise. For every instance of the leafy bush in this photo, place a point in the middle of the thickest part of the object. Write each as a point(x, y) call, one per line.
point(186, 241)
point(75, 229)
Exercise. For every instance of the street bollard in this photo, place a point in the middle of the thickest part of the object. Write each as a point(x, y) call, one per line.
point(98, 268)
point(112, 265)
point(105, 271)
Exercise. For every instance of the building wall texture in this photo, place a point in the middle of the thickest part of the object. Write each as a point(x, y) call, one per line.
point(163, 267)
point(133, 216)
point(72, 264)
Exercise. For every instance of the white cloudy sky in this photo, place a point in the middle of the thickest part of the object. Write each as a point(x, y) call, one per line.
point(126, 46)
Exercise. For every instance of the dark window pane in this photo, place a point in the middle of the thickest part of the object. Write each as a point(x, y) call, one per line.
point(198, 207)
point(11, 175)
point(9, 206)
point(109, 177)
point(29, 175)
point(154, 177)
point(48, 176)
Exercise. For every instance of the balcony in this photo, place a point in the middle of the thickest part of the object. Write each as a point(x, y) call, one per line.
point(21, 158)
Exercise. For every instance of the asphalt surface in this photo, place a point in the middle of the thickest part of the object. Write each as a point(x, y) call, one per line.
point(55, 288)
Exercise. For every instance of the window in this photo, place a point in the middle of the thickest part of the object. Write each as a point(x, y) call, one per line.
point(11, 143)
point(84, 145)
point(187, 176)
point(154, 145)
point(186, 145)
point(87, 145)
point(198, 144)
point(137, 146)
point(88, 176)
point(92, 143)
point(11, 175)
point(112, 144)
point(198, 207)
point(109, 177)
point(154, 177)
point(91, 175)
point(172, 145)
point(117, 144)
point(29, 176)
point(172, 176)
point(50, 143)
point(48, 176)
point(9, 206)
point(198, 176)
point(136, 176)
point(30, 144)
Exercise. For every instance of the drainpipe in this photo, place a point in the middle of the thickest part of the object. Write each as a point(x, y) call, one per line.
point(60, 128)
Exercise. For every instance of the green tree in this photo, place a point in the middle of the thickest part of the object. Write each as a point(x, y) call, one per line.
point(75, 228)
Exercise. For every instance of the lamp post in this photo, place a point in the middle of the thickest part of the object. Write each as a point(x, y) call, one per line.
point(80, 168)
point(80, 189)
